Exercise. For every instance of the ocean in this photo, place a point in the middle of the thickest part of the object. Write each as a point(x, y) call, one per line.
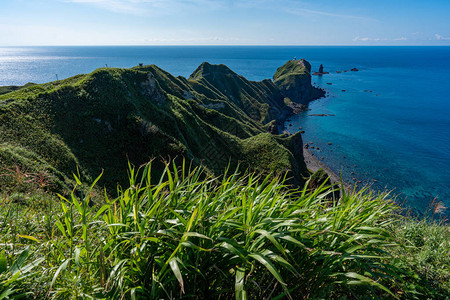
point(387, 125)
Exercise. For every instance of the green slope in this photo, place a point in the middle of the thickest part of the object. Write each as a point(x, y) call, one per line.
point(294, 81)
point(102, 120)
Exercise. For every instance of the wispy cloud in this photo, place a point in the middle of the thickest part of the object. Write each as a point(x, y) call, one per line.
point(126, 6)
point(153, 6)
point(165, 6)
point(197, 40)
point(441, 38)
point(369, 39)
point(311, 12)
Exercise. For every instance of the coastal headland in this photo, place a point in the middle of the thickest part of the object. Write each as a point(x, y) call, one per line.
point(101, 121)
point(187, 223)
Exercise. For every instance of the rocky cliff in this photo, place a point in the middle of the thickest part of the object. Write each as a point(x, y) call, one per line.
point(293, 79)
point(102, 120)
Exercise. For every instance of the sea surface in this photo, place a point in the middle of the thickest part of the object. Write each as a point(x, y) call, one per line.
point(389, 123)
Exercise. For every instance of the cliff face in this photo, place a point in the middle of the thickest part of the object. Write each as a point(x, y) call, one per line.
point(294, 81)
point(101, 120)
point(262, 101)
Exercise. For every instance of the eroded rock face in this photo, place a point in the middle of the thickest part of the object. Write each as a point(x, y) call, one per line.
point(150, 89)
point(295, 146)
point(294, 81)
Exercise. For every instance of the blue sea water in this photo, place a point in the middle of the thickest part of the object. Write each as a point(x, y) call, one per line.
point(391, 124)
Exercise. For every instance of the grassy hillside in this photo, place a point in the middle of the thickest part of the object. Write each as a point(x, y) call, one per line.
point(292, 80)
point(10, 88)
point(102, 120)
point(191, 227)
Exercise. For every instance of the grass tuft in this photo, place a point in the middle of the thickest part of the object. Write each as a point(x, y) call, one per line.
point(241, 235)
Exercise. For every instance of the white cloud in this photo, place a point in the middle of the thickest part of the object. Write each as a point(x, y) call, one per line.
point(368, 39)
point(364, 39)
point(126, 6)
point(441, 38)
point(143, 7)
point(309, 12)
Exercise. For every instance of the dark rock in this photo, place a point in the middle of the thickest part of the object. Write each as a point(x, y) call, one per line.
point(294, 145)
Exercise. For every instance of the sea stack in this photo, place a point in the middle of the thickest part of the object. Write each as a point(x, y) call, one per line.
point(321, 72)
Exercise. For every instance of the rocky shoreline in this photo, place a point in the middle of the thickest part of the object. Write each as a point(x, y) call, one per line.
point(293, 109)
point(314, 164)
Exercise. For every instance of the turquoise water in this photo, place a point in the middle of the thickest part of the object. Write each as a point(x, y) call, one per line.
point(391, 124)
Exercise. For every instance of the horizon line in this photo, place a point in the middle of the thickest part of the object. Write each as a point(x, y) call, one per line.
point(225, 45)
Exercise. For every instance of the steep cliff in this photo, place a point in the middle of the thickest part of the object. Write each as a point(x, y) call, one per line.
point(102, 120)
point(294, 81)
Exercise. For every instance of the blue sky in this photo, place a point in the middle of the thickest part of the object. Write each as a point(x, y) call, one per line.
point(224, 22)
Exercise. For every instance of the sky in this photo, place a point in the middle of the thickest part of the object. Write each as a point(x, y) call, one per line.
point(224, 22)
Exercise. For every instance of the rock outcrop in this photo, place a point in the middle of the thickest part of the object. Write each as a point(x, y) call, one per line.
point(102, 120)
point(294, 81)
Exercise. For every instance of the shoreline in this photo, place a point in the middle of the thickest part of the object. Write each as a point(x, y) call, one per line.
point(313, 164)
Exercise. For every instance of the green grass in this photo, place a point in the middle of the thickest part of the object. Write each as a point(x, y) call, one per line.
point(11, 88)
point(426, 254)
point(179, 230)
point(100, 121)
point(293, 79)
point(239, 236)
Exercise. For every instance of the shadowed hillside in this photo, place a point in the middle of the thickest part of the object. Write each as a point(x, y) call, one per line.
point(102, 120)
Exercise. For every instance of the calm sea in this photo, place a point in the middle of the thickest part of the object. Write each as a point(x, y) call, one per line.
point(391, 119)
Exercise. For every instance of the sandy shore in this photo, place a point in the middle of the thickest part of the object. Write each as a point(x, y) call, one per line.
point(313, 164)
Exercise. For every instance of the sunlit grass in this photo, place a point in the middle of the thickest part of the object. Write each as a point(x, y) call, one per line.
point(238, 236)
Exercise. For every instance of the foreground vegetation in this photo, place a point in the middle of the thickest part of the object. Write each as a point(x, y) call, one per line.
point(239, 236)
